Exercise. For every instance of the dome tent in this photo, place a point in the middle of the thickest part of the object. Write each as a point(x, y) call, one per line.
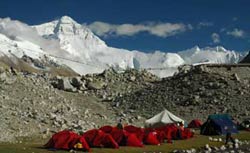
point(163, 118)
point(218, 124)
point(66, 140)
point(196, 123)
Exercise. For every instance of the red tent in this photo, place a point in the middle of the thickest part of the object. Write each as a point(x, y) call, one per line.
point(139, 132)
point(124, 138)
point(133, 141)
point(160, 134)
point(119, 136)
point(195, 124)
point(90, 136)
point(97, 138)
point(151, 139)
point(186, 134)
point(109, 142)
point(107, 129)
point(66, 140)
point(168, 132)
point(84, 144)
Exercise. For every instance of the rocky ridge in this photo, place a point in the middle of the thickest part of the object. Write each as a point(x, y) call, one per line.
point(195, 92)
point(39, 104)
point(31, 106)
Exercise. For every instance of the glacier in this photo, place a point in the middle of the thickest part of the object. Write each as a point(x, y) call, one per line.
point(72, 44)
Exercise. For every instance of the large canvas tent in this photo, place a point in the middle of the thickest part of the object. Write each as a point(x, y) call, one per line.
point(218, 124)
point(163, 118)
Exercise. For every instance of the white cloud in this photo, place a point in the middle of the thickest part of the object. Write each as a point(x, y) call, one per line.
point(215, 37)
point(101, 28)
point(157, 29)
point(129, 29)
point(166, 29)
point(204, 24)
point(238, 33)
point(17, 30)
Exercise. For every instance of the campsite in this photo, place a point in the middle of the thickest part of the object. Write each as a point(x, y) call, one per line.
point(199, 142)
point(109, 138)
point(124, 76)
point(86, 115)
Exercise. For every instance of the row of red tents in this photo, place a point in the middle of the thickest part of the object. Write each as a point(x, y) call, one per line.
point(112, 137)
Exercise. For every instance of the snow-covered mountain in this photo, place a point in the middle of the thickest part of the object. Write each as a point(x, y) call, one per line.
point(210, 55)
point(67, 42)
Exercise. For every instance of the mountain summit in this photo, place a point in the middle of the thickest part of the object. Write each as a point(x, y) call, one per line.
point(70, 43)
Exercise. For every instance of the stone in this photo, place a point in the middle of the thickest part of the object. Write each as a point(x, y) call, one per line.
point(193, 150)
point(216, 148)
point(215, 139)
point(236, 145)
point(72, 151)
point(210, 138)
point(76, 82)
point(207, 148)
point(64, 84)
point(235, 77)
point(188, 151)
point(95, 85)
point(138, 117)
point(175, 151)
point(3, 76)
point(132, 78)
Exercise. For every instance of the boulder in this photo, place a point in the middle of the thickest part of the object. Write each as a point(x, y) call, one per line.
point(95, 85)
point(64, 84)
point(184, 68)
point(235, 77)
point(3, 77)
point(76, 82)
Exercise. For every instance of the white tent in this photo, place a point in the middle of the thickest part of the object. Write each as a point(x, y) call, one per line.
point(163, 118)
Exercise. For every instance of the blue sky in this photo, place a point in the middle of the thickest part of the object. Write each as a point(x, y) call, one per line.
point(147, 25)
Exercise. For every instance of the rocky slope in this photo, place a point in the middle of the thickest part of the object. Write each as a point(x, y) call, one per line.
point(31, 106)
point(194, 93)
point(35, 104)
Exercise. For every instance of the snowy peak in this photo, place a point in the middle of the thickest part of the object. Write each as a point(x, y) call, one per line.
point(68, 26)
point(73, 37)
point(67, 20)
point(216, 48)
point(216, 54)
point(57, 26)
point(196, 48)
